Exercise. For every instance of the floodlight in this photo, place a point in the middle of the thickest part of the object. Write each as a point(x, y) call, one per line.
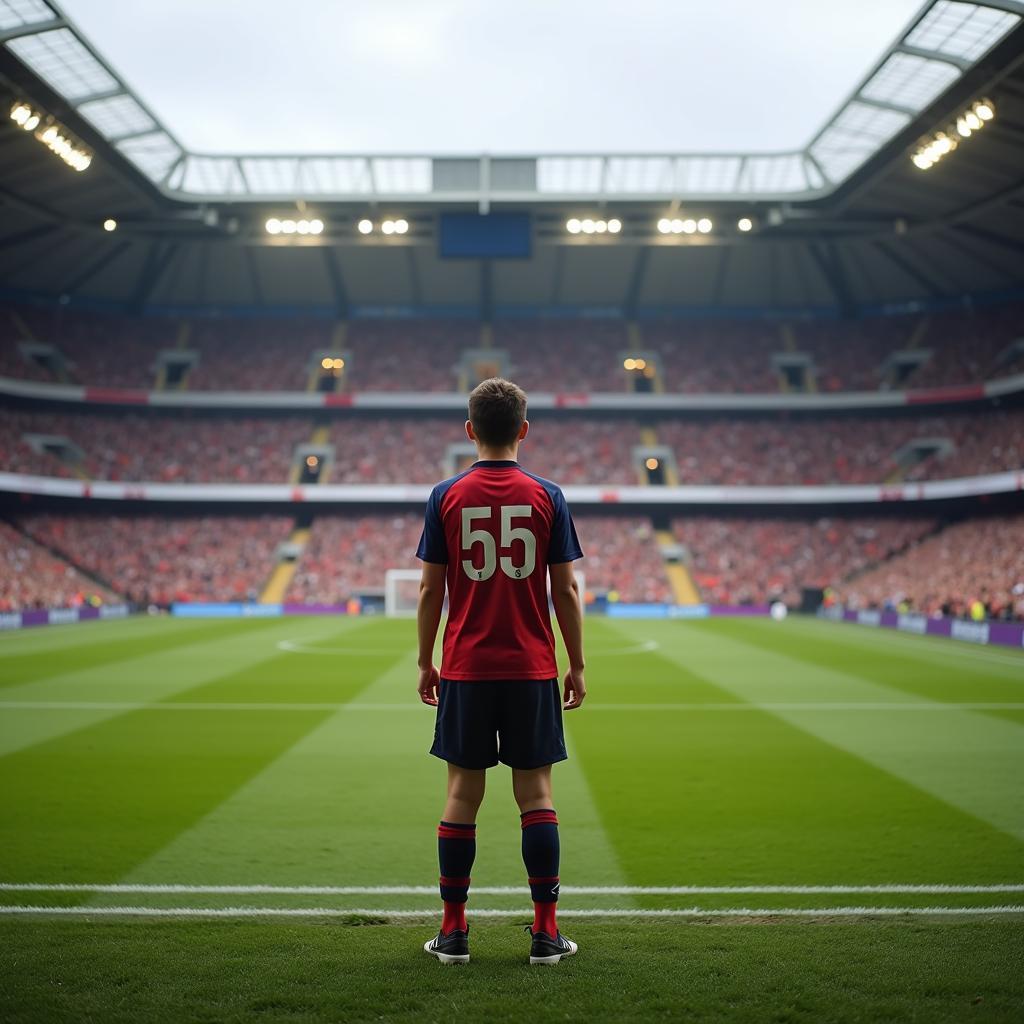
point(388, 227)
point(326, 362)
point(31, 122)
point(600, 226)
point(302, 227)
point(573, 225)
point(338, 364)
point(365, 226)
point(963, 129)
point(629, 364)
point(704, 225)
point(651, 463)
point(110, 224)
point(745, 224)
point(922, 160)
point(316, 226)
point(614, 226)
point(588, 226)
point(677, 226)
point(20, 113)
point(664, 225)
point(401, 226)
point(985, 110)
point(689, 225)
point(639, 363)
point(289, 227)
point(972, 120)
point(273, 226)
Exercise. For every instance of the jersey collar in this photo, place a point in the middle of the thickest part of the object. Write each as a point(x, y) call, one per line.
point(494, 463)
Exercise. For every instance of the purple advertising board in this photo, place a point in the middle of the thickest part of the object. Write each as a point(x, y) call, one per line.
point(1005, 634)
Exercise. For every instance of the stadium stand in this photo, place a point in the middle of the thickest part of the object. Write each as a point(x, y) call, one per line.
point(33, 577)
point(945, 574)
point(719, 450)
point(566, 355)
point(745, 560)
point(157, 560)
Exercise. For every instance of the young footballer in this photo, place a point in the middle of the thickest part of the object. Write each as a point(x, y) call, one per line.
point(493, 535)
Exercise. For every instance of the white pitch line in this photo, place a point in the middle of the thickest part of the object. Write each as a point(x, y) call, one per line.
point(294, 647)
point(610, 912)
point(82, 705)
point(501, 890)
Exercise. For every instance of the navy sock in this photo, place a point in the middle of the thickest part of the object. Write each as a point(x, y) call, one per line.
point(540, 855)
point(456, 850)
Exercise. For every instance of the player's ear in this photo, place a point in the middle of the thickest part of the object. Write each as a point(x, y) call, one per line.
point(524, 430)
point(469, 431)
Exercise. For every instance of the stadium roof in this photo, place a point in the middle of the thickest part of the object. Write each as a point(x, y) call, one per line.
point(942, 42)
point(889, 234)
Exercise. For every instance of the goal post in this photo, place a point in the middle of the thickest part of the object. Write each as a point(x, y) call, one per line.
point(401, 592)
point(402, 587)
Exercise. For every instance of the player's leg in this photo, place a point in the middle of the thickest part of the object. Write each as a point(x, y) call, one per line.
point(460, 738)
point(531, 739)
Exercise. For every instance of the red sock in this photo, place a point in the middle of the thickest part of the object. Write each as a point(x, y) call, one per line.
point(454, 919)
point(544, 918)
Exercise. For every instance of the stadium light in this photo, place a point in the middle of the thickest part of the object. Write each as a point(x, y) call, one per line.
point(664, 225)
point(689, 226)
point(289, 226)
point(388, 227)
point(593, 226)
point(651, 463)
point(931, 150)
point(401, 226)
point(110, 224)
point(365, 227)
point(745, 224)
point(51, 134)
point(704, 225)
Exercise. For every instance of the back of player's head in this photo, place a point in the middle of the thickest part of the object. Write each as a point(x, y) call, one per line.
point(497, 410)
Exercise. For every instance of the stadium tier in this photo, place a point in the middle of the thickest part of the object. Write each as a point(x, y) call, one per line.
point(565, 355)
point(759, 450)
point(974, 562)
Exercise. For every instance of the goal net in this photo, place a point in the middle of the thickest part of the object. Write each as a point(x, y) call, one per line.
point(402, 588)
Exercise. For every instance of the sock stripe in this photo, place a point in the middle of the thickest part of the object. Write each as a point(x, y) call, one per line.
point(459, 824)
point(540, 817)
point(458, 883)
point(541, 881)
point(444, 832)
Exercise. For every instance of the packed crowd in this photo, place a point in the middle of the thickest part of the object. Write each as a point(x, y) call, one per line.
point(409, 450)
point(32, 577)
point(745, 560)
point(158, 560)
point(566, 355)
point(621, 559)
point(976, 561)
point(349, 555)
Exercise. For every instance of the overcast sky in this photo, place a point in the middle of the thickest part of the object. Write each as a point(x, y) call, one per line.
point(436, 76)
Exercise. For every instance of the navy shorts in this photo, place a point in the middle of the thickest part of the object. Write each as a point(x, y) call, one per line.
point(515, 721)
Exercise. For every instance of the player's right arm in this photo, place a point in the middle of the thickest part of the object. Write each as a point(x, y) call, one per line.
point(565, 596)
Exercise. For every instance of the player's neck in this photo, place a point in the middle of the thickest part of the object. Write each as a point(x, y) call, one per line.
point(497, 454)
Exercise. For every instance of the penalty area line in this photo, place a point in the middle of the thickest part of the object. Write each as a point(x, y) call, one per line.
point(685, 912)
point(503, 890)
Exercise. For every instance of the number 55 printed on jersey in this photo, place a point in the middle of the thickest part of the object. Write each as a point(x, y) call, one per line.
point(509, 533)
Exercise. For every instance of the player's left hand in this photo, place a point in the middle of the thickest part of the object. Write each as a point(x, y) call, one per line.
point(427, 687)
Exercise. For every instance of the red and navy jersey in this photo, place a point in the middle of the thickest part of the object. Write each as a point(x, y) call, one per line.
point(498, 528)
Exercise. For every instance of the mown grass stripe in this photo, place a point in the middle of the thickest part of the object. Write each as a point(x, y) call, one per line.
point(495, 890)
point(384, 913)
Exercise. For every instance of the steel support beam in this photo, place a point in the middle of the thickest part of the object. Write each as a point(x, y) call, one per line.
point(338, 289)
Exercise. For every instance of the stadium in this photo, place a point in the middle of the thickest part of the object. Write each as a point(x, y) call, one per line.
point(773, 342)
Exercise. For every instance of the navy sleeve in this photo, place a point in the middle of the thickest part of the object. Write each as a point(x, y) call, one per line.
point(433, 547)
point(565, 545)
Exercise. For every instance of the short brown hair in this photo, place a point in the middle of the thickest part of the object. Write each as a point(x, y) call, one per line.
point(497, 410)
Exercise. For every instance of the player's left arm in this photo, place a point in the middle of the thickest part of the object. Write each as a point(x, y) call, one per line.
point(428, 618)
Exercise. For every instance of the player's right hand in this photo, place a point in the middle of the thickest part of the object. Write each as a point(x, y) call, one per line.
point(427, 687)
point(574, 690)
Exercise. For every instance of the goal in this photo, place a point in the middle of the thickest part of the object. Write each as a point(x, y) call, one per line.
point(402, 587)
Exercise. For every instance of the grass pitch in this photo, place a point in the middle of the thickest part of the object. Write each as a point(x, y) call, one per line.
point(797, 821)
